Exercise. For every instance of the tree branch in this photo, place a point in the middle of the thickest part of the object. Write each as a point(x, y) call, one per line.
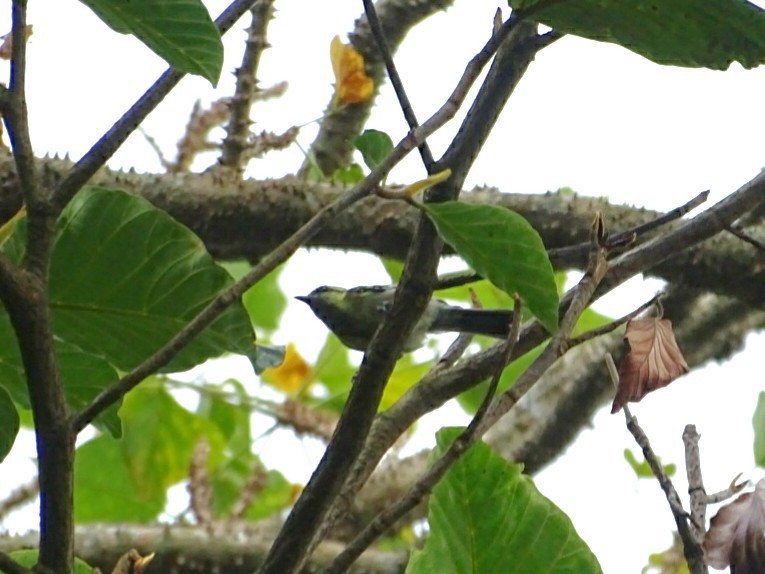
point(111, 141)
point(238, 549)
point(237, 132)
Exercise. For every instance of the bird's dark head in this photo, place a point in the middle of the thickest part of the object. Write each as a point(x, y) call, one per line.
point(352, 314)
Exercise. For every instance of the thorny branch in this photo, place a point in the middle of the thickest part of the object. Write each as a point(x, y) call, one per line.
point(237, 132)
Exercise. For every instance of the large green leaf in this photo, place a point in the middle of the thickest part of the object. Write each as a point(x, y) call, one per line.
point(179, 31)
point(9, 423)
point(83, 376)
point(709, 34)
point(127, 479)
point(486, 517)
point(125, 277)
point(160, 437)
point(502, 247)
point(104, 490)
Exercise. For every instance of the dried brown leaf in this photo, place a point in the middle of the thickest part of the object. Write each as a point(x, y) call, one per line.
point(736, 535)
point(654, 360)
point(7, 45)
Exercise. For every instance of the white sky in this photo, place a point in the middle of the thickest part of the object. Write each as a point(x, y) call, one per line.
point(590, 116)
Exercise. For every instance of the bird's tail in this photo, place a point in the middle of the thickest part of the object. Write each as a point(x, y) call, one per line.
point(491, 322)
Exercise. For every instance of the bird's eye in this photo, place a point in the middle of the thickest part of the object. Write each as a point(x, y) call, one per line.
point(383, 307)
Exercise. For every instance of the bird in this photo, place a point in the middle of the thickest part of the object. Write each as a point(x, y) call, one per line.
point(354, 315)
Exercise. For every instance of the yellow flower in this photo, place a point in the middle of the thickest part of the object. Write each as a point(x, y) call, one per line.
point(352, 85)
point(292, 375)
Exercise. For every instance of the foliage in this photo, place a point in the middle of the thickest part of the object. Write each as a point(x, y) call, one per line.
point(524, 532)
point(672, 32)
point(179, 31)
point(104, 295)
point(502, 247)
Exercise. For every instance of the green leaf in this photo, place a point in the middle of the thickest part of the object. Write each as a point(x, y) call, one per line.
point(486, 517)
point(160, 437)
point(126, 277)
point(265, 301)
point(643, 469)
point(334, 371)
point(28, 558)
point(393, 268)
point(104, 490)
point(471, 399)
point(349, 175)
point(758, 422)
point(127, 480)
point(83, 376)
point(709, 34)
point(374, 146)
point(9, 423)
point(502, 247)
point(229, 478)
point(231, 418)
point(180, 32)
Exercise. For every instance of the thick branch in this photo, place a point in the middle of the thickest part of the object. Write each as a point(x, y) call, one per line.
point(247, 221)
point(191, 550)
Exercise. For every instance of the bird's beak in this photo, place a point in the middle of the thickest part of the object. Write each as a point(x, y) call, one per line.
point(304, 298)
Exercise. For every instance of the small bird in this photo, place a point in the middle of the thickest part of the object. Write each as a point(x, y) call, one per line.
point(354, 315)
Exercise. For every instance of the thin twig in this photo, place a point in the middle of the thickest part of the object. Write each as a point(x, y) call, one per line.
point(615, 324)
point(743, 236)
point(696, 490)
point(19, 496)
point(111, 141)
point(694, 554)
point(395, 79)
point(237, 131)
point(578, 251)
point(424, 485)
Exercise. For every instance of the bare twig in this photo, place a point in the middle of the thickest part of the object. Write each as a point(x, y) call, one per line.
point(395, 79)
point(19, 496)
point(194, 139)
point(13, 105)
point(613, 325)
point(694, 554)
point(743, 236)
point(199, 487)
point(237, 132)
point(250, 489)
